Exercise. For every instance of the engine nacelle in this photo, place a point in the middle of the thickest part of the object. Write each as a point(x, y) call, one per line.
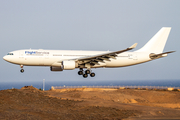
point(60, 68)
point(66, 65)
point(69, 65)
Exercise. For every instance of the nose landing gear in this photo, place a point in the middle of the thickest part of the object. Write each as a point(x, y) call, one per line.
point(22, 70)
point(85, 74)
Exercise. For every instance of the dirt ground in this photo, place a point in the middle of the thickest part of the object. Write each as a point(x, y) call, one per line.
point(88, 103)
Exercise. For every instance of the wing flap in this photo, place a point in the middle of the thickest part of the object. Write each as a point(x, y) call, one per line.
point(103, 57)
point(114, 54)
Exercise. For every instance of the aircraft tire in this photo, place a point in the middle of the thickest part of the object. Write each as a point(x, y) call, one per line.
point(22, 70)
point(80, 72)
point(87, 72)
point(92, 74)
point(85, 75)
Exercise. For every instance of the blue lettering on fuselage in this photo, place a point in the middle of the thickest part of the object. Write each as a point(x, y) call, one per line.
point(30, 52)
point(38, 53)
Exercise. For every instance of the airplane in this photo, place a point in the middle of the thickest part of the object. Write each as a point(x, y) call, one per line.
point(59, 60)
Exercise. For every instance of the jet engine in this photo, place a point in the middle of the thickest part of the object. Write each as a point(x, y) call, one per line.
point(69, 65)
point(66, 65)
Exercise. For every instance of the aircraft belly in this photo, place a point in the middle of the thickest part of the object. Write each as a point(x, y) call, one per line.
point(119, 62)
point(127, 61)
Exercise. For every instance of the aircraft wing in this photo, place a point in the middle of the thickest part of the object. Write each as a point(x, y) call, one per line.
point(102, 57)
point(155, 56)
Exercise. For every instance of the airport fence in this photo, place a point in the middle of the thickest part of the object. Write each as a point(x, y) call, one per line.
point(116, 87)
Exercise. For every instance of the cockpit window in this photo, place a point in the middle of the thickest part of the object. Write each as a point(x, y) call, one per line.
point(10, 54)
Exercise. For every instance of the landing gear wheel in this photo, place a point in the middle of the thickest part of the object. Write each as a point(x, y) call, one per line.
point(80, 72)
point(87, 72)
point(92, 74)
point(85, 75)
point(22, 70)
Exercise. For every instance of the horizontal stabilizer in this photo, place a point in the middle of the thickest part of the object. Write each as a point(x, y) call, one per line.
point(155, 56)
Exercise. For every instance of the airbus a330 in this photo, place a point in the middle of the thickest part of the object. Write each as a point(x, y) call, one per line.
point(59, 60)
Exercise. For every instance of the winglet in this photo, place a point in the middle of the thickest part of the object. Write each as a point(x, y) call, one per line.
point(133, 46)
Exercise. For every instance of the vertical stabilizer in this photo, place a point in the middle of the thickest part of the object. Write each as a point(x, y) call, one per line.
point(157, 43)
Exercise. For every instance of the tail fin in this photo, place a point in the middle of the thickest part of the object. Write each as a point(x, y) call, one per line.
point(157, 43)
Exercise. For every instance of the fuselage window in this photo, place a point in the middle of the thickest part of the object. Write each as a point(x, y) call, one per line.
point(10, 54)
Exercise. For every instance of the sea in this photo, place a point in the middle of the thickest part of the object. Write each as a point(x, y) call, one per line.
point(48, 84)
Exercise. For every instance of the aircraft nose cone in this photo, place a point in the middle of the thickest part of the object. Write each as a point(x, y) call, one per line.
point(6, 58)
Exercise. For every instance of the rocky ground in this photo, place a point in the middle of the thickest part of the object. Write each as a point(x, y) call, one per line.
point(88, 103)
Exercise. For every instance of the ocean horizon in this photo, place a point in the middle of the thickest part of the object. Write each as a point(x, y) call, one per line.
point(48, 84)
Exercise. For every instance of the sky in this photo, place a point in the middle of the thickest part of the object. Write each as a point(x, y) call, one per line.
point(88, 25)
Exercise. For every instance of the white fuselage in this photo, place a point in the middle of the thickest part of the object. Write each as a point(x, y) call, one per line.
point(60, 60)
point(40, 57)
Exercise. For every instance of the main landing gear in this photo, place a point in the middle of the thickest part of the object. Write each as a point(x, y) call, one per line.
point(22, 70)
point(85, 73)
